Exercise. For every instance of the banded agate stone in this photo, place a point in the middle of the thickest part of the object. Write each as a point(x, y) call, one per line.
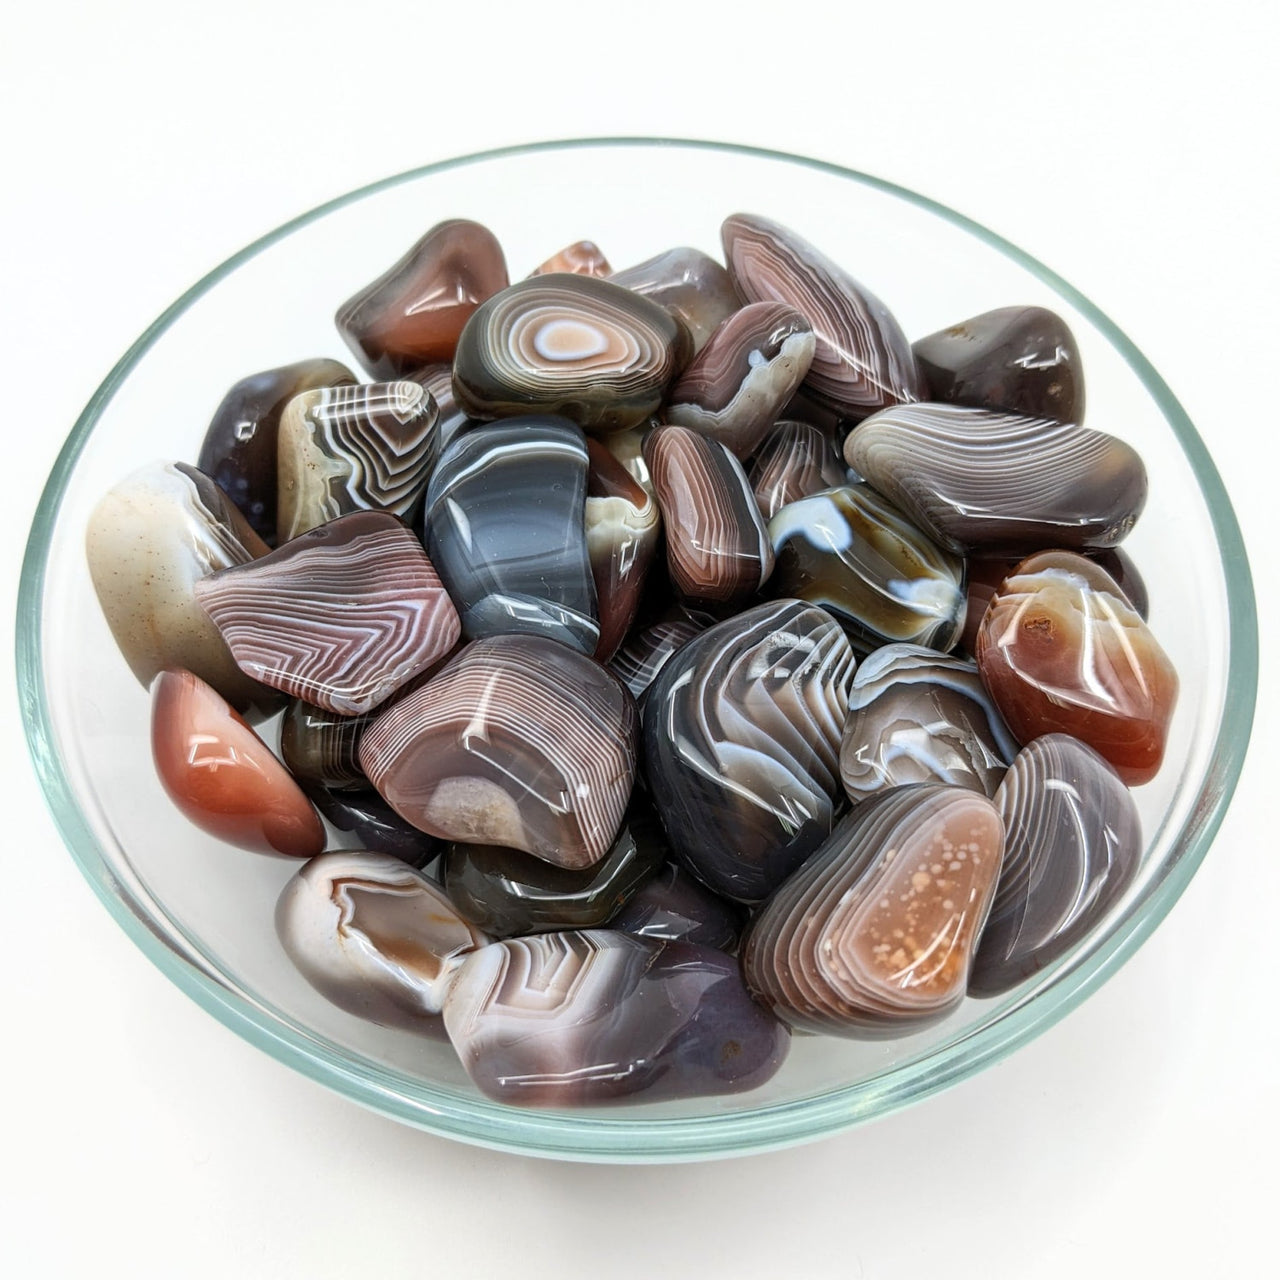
point(978, 479)
point(520, 741)
point(862, 560)
point(1022, 359)
point(585, 1017)
point(241, 444)
point(506, 530)
point(742, 739)
point(735, 387)
point(1061, 650)
point(320, 746)
point(718, 550)
point(149, 540)
point(581, 258)
point(451, 422)
point(222, 776)
point(354, 448)
point(340, 617)
point(862, 360)
point(638, 662)
point(369, 822)
point(692, 286)
point(875, 935)
point(674, 905)
point(374, 936)
point(1073, 840)
point(414, 312)
point(916, 715)
point(572, 345)
point(795, 460)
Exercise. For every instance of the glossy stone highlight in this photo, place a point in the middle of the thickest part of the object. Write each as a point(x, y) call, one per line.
point(718, 550)
point(735, 387)
point(693, 287)
point(565, 1019)
point(520, 741)
point(977, 479)
point(862, 360)
point(1073, 841)
point(875, 935)
point(742, 738)
point(851, 552)
point(571, 345)
point(340, 617)
point(795, 460)
point(506, 530)
point(413, 313)
point(674, 905)
point(916, 715)
point(1062, 651)
point(581, 258)
point(374, 936)
point(222, 776)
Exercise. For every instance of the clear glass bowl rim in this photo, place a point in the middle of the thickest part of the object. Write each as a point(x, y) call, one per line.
point(635, 1139)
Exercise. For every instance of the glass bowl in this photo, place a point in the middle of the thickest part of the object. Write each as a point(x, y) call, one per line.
point(203, 911)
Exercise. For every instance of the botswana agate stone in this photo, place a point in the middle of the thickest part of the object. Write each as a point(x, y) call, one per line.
point(638, 662)
point(149, 540)
point(978, 479)
point(507, 892)
point(354, 448)
point(862, 360)
point(572, 345)
point(742, 738)
point(796, 459)
point(1062, 651)
point(340, 617)
point(1073, 841)
point(1023, 359)
point(581, 258)
point(369, 822)
point(735, 387)
point(240, 446)
point(622, 527)
point(319, 746)
point(916, 715)
point(718, 551)
point(520, 741)
point(583, 1017)
point(505, 528)
point(222, 776)
point(414, 312)
point(693, 287)
point(875, 935)
point(674, 905)
point(862, 560)
point(437, 381)
point(375, 937)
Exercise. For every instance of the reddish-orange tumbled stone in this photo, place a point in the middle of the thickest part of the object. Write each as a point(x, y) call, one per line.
point(222, 775)
point(1061, 650)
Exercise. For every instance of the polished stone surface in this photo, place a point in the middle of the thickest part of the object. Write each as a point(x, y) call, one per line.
point(451, 422)
point(319, 746)
point(646, 652)
point(694, 287)
point(367, 821)
point(795, 460)
point(672, 904)
point(581, 258)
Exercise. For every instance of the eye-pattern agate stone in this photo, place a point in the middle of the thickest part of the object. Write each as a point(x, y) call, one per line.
point(357, 448)
point(520, 741)
point(1023, 359)
point(795, 460)
point(1062, 651)
point(506, 530)
point(414, 312)
point(585, 1017)
point(916, 715)
point(638, 662)
point(340, 617)
point(320, 746)
point(735, 387)
point(862, 560)
point(581, 258)
point(674, 905)
point(862, 360)
point(222, 776)
point(507, 892)
point(742, 740)
point(573, 345)
point(692, 286)
point(875, 935)
point(622, 526)
point(718, 550)
point(371, 823)
point(374, 936)
point(150, 539)
point(1073, 840)
point(240, 446)
point(979, 479)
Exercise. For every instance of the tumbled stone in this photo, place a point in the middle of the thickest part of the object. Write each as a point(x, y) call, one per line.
point(369, 822)
point(222, 776)
point(672, 904)
point(582, 258)
point(320, 746)
point(695, 288)
point(795, 460)
point(638, 662)
point(413, 313)
point(451, 422)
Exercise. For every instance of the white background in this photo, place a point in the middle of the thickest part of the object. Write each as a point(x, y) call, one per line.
point(1131, 147)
